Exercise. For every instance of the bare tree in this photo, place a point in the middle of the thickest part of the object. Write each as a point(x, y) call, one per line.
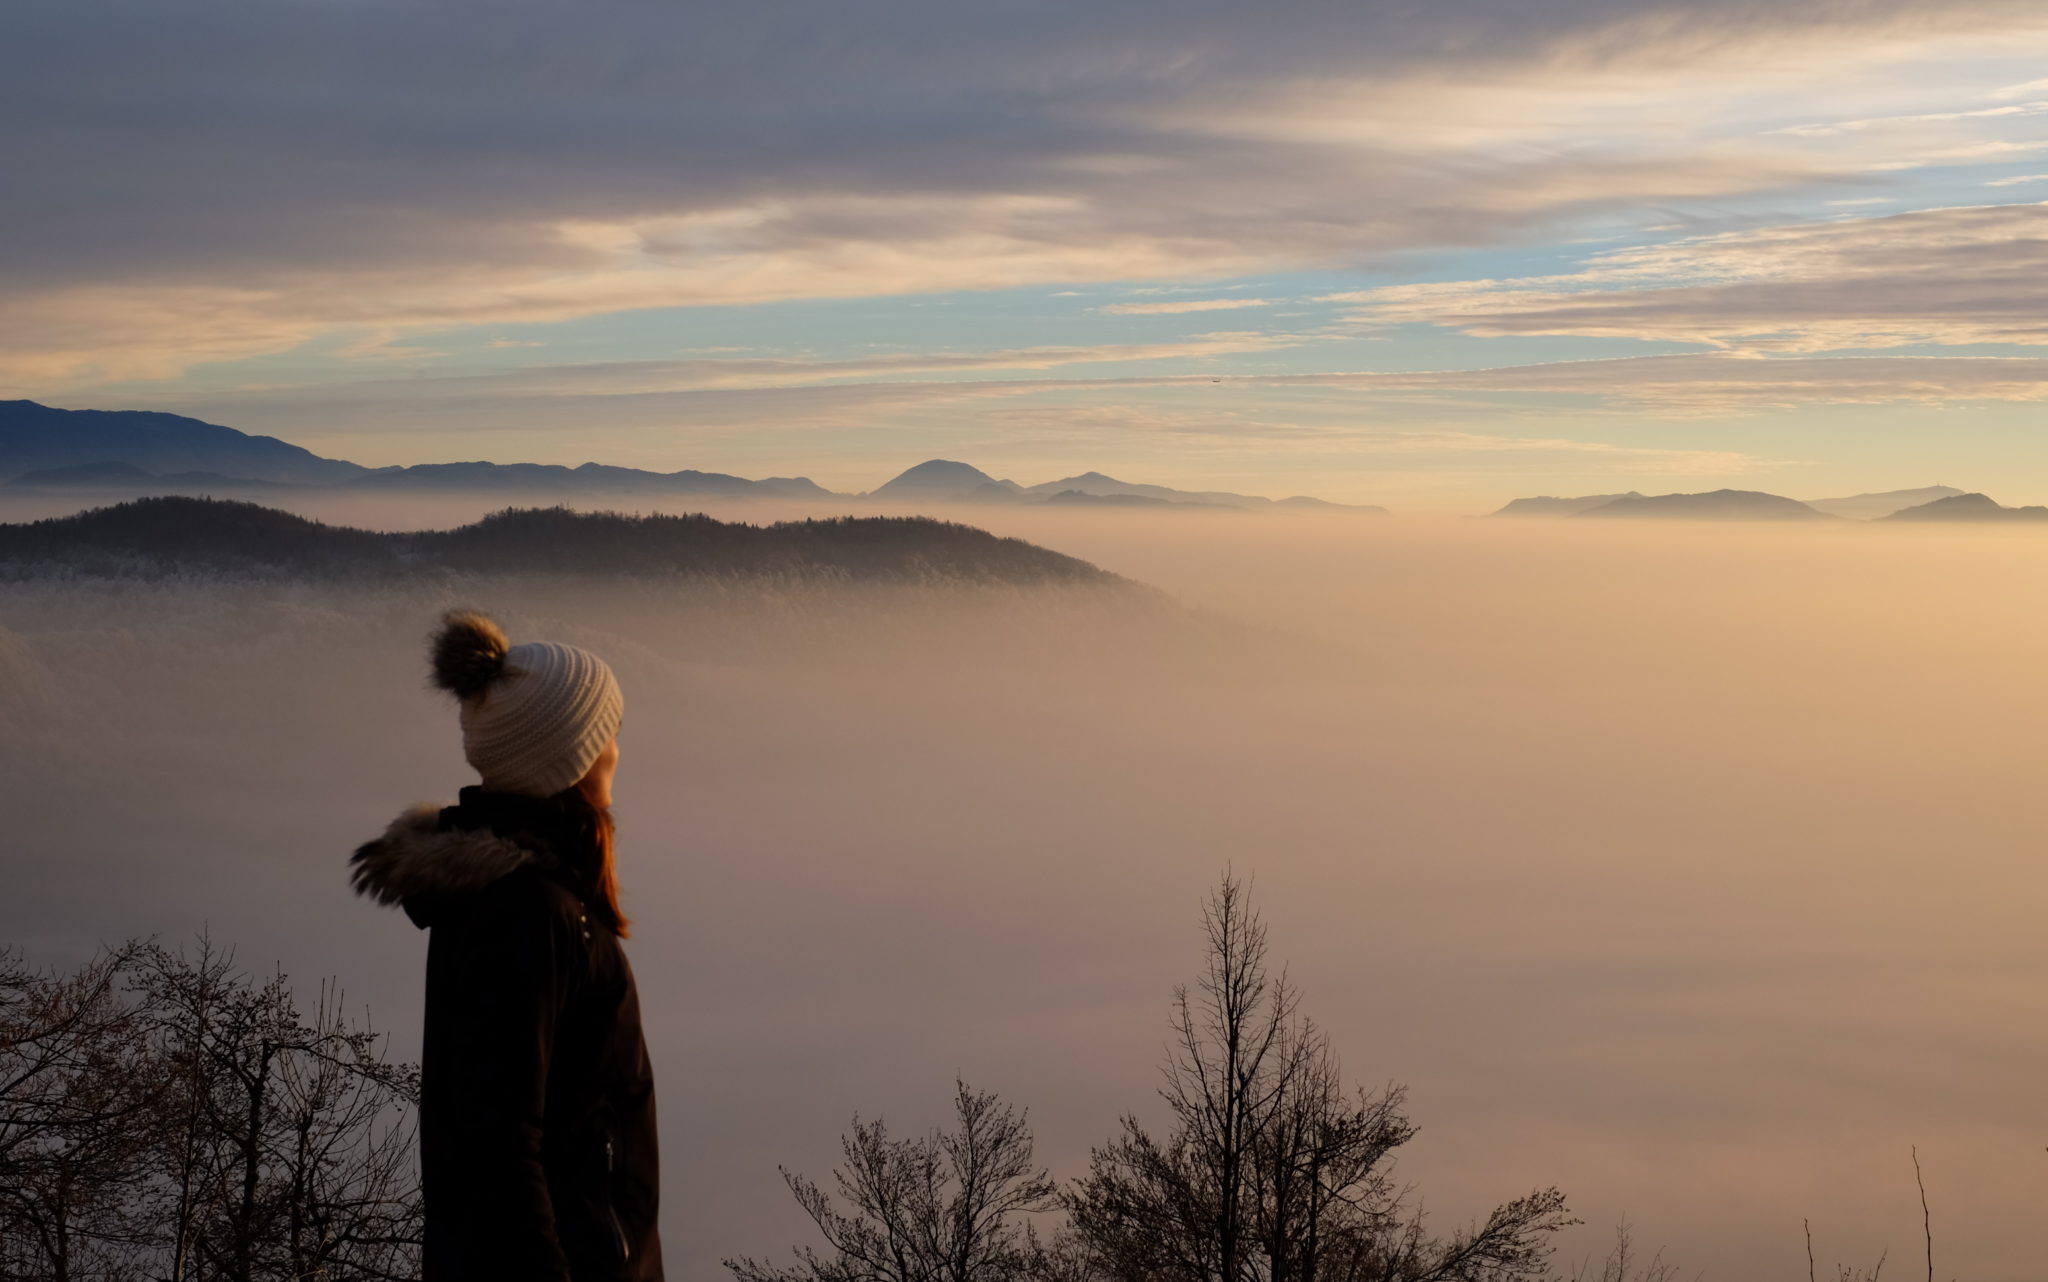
point(1623, 1264)
point(288, 1144)
point(949, 1206)
point(1273, 1172)
point(343, 1151)
point(77, 1091)
point(167, 1118)
point(221, 1037)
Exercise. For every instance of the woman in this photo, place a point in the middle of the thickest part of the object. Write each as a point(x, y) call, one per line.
point(537, 1137)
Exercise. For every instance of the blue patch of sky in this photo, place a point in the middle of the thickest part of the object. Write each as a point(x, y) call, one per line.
point(1072, 315)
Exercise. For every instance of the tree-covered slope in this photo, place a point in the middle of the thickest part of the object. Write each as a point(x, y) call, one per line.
point(191, 535)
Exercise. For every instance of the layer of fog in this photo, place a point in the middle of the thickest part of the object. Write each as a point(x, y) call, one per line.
point(1695, 870)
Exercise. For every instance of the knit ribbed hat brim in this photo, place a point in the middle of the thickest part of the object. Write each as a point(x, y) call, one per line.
point(538, 727)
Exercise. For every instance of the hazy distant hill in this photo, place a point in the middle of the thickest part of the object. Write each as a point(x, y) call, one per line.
point(1100, 486)
point(1715, 505)
point(1969, 507)
point(555, 480)
point(1303, 502)
point(37, 438)
point(127, 480)
point(1545, 505)
point(84, 476)
point(1746, 504)
point(1081, 498)
point(158, 536)
point(1872, 507)
point(943, 480)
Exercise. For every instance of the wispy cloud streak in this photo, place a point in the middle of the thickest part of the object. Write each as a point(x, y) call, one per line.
point(1938, 276)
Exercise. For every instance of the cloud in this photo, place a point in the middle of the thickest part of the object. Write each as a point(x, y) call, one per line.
point(1965, 154)
point(2030, 89)
point(1939, 276)
point(1270, 435)
point(1717, 384)
point(1926, 117)
point(637, 378)
point(829, 426)
point(1175, 309)
point(2017, 180)
point(612, 406)
point(217, 180)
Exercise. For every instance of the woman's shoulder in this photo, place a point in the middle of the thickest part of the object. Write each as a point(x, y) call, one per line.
point(524, 923)
point(529, 894)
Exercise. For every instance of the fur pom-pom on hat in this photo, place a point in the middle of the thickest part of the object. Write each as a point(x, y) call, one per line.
point(534, 715)
point(468, 653)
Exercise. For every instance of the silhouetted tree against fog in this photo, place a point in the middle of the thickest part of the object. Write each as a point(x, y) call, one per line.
point(1623, 1264)
point(165, 1117)
point(289, 1142)
point(78, 1089)
point(1273, 1171)
point(942, 1207)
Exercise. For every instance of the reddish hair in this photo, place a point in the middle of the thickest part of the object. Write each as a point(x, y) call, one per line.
point(604, 879)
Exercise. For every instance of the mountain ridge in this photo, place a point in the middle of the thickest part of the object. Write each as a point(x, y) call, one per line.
point(949, 481)
point(1877, 506)
point(1728, 504)
point(49, 449)
point(35, 437)
point(1550, 505)
point(1969, 507)
point(1712, 505)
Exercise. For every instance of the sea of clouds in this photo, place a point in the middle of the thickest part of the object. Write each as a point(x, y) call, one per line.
point(1696, 870)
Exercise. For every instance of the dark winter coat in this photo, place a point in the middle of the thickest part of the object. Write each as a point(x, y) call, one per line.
point(537, 1135)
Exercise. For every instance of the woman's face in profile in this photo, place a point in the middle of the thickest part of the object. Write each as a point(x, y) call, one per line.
point(600, 775)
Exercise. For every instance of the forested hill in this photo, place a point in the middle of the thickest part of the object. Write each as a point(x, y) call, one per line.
point(160, 536)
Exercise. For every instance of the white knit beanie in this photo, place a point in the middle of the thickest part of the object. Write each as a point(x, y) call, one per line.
point(534, 716)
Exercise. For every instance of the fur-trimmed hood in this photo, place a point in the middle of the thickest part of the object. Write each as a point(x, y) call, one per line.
point(420, 855)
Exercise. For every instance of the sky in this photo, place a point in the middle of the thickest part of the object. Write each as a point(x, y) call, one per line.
point(1432, 256)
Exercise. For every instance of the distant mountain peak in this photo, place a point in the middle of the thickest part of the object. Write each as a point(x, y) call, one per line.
point(136, 453)
point(1550, 505)
point(1969, 507)
point(945, 467)
point(938, 479)
point(38, 438)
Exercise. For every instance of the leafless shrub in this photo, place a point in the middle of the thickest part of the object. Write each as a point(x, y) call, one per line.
point(1624, 1264)
point(949, 1206)
point(79, 1089)
point(165, 1116)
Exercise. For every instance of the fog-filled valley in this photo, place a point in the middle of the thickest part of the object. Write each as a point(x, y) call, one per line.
point(1694, 869)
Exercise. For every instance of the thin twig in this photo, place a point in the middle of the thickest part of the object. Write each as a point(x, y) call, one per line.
point(1809, 1250)
point(1926, 1220)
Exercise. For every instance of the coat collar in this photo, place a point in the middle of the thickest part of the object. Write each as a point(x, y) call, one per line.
point(431, 854)
point(420, 853)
